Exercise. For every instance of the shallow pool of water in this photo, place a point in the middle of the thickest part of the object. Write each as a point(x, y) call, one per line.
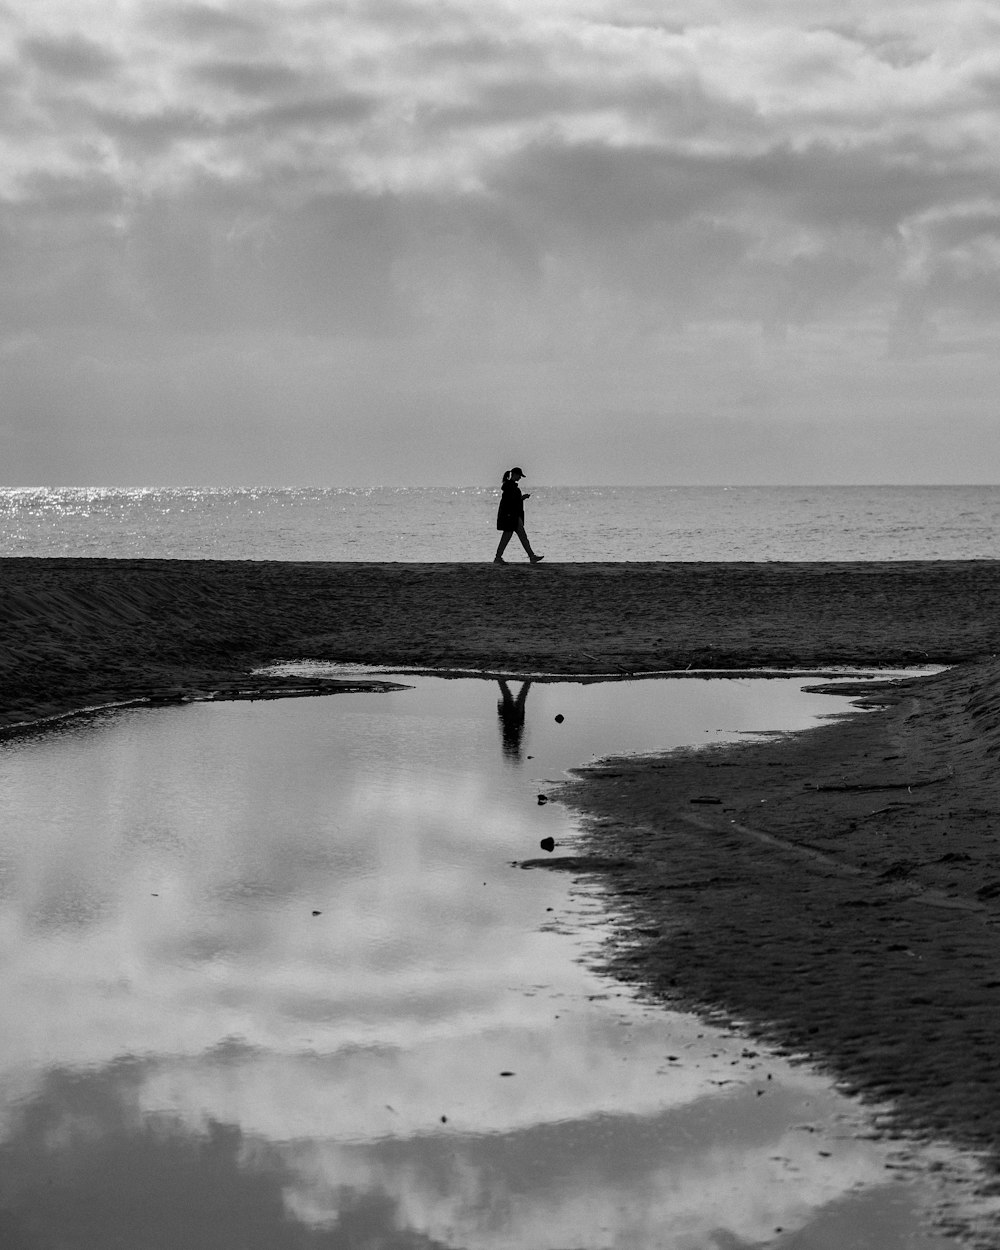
point(270, 980)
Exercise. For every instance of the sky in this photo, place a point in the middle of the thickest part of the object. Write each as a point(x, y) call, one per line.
point(302, 242)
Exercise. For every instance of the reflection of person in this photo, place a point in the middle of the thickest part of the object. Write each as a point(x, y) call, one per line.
point(511, 713)
point(510, 516)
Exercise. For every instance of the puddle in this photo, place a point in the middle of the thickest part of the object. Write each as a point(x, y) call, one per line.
point(270, 981)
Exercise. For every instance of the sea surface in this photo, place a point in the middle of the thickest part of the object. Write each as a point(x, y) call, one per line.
point(566, 523)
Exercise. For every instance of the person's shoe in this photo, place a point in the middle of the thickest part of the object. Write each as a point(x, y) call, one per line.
point(499, 560)
point(535, 559)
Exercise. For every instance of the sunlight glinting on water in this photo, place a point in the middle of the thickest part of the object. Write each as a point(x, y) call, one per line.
point(457, 523)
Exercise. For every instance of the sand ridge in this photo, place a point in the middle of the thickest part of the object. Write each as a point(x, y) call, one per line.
point(75, 632)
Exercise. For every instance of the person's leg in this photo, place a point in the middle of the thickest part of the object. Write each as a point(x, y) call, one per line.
point(525, 544)
point(505, 538)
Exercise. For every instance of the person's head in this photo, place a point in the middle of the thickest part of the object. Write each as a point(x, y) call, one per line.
point(513, 475)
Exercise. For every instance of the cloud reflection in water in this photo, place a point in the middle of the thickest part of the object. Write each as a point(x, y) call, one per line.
point(190, 1051)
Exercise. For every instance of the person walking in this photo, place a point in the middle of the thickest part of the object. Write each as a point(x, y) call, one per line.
point(510, 516)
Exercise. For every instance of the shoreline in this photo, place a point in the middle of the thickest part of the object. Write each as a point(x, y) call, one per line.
point(839, 897)
point(834, 892)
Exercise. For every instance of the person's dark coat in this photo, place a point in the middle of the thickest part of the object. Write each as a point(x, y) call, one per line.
point(510, 514)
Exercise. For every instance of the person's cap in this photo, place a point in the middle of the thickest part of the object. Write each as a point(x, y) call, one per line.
point(519, 471)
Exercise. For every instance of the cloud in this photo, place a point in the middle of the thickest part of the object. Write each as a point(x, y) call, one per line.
point(247, 78)
point(144, 134)
point(72, 57)
point(199, 22)
point(596, 183)
point(317, 113)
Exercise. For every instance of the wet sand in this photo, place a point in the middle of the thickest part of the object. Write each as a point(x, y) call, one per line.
point(835, 892)
point(838, 891)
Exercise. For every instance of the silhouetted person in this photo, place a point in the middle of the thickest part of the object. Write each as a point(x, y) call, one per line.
point(510, 516)
point(511, 713)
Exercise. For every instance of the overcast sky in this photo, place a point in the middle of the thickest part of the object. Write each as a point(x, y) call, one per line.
point(382, 241)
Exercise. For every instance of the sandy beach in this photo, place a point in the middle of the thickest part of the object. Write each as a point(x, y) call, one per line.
point(837, 892)
point(82, 632)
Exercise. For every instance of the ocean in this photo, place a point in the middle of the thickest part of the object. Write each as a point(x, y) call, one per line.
point(565, 523)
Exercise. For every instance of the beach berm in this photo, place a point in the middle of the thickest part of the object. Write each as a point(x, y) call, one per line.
point(78, 632)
